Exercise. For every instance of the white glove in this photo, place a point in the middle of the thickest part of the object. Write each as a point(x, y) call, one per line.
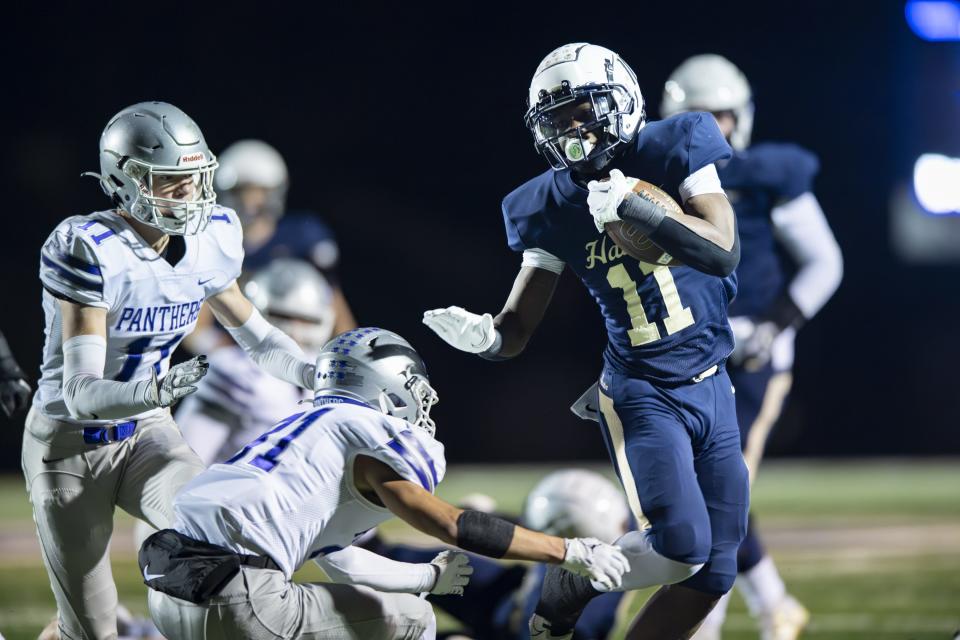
point(179, 381)
point(461, 329)
point(603, 563)
point(605, 197)
point(754, 343)
point(453, 572)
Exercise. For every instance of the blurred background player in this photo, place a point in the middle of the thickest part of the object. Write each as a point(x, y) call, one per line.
point(501, 597)
point(790, 265)
point(253, 180)
point(121, 287)
point(236, 401)
point(14, 388)
point(667, 411)
point(308, 489)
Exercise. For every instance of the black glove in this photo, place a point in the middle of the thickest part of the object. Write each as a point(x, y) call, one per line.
point(14, 389)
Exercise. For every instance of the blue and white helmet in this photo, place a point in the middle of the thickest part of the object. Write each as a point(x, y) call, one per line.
point(577, 503)
point(709, 82)
point(600, 89)
point(380, 368)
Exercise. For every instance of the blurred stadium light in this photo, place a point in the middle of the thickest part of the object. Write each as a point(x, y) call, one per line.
point(936, 183)
point(934, 20)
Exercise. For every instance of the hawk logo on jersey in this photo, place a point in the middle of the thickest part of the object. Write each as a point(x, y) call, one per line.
point(599, 252)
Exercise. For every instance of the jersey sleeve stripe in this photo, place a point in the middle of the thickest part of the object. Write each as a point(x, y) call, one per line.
point(410, 439)
point(411, 462)
point(230, 381)
point(71, 277)
point(77, 263)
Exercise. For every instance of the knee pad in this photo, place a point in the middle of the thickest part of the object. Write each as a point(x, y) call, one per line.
point(683, 541)
point(751, 550)
point(648, 567)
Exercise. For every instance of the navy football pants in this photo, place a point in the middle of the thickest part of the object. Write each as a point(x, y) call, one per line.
point(760, 398)
point(677, 453)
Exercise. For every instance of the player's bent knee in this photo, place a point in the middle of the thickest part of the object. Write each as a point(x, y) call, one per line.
point(684, 542)
point(711, 581)
point(648, 567)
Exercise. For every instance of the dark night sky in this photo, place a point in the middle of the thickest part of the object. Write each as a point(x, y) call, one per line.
point(403, 127)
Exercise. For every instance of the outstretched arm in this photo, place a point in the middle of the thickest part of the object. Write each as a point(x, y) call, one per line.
point(482, 533)
point(507, 334)
point(448, 572)
point(273, 350)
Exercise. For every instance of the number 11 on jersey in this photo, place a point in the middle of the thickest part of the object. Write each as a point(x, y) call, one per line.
point(643, 331)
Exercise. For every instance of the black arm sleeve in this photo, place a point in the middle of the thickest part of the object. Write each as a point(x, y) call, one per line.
point(785, 313)
point(483, 533)
point(691, 249)
point(680, 241)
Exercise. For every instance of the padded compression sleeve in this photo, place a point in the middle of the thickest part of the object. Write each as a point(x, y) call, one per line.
point(274, 351)
point(680, 241)
point(88, 396)
point(354, 565)
point(483, 533)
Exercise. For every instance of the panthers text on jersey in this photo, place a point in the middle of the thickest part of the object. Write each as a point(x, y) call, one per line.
point(757, 180)
point(98, 260)
point(235, 402)
point(666, 324)
point(290, 493)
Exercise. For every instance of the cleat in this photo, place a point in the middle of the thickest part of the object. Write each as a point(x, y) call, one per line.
point(786, 622)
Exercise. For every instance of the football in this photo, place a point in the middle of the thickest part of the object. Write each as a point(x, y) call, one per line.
point(629, 238)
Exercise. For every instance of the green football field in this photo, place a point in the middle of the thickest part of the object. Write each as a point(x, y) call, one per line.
point(871, 547)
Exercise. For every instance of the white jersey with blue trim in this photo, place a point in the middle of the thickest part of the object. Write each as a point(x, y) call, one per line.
point(98, 260)
point(235, 402)
point(290, 494)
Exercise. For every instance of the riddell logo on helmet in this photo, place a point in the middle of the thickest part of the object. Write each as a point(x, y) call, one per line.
point(193, 157)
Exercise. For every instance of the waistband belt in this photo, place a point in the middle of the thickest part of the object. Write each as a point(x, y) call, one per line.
point(109, 433)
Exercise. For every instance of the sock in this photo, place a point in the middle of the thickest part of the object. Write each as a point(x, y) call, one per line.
point(762, 587)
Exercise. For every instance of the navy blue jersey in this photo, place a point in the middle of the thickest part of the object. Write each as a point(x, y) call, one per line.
point(301, 235)
point(666, 324)
point(756, 181)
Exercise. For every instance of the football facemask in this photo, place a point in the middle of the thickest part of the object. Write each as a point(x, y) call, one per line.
point(572, 127)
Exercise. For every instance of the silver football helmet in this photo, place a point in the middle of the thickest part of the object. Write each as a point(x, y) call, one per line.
point(581, 89)
point(297, 299)
point(712, 83)
point(577, 503)
point(252, 163)
point(380, 368)
point(147, 141)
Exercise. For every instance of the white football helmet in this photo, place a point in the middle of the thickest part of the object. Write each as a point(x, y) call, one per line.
point(151, 140)
point(593, 87)
point(297, 299)
point(712, 83)
point(252, 163)
point(577, 503)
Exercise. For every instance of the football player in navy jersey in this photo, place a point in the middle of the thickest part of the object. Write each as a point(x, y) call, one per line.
point(791, 266)
point(667, 409)
point(253, 180)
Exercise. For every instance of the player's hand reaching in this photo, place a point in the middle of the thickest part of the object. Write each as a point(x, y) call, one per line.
point(603, 563)
point(605, 197)
point(14, 389)
point(453, 572)
point(461, 329)
point(179, 381)
point(754, 343)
